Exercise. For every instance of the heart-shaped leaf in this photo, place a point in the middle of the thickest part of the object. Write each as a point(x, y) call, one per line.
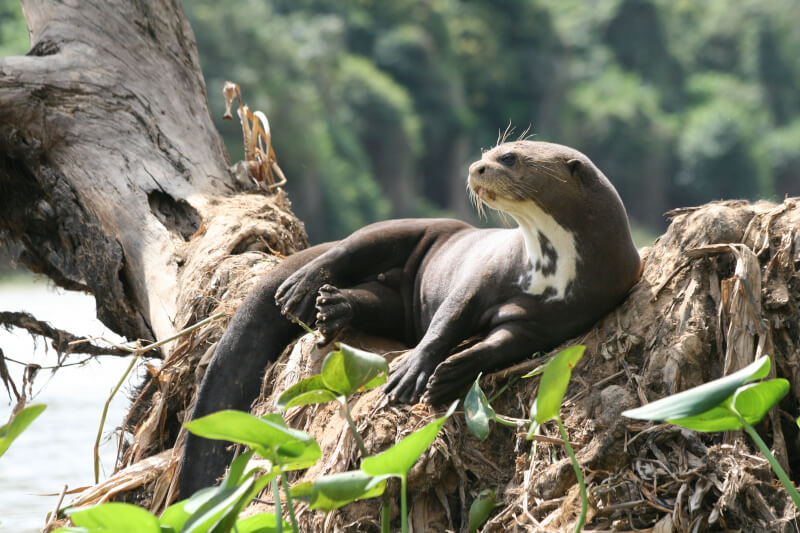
point(700, 399)
point(269, 436)
point(349, 370)
point(309, 391)
point(477, 411)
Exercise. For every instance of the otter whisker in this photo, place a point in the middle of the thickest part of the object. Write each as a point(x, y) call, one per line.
point(524, 135)
point(501, 138)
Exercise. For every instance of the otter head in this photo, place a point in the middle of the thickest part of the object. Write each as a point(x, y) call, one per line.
point(566, 208)
point(558, 179)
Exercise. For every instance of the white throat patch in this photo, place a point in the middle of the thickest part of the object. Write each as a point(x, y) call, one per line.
point(551, 251)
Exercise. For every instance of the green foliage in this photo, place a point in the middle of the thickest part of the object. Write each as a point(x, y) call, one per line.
point(377, 107)
point(20, 421)
point(398, 460)
point(547, 406)
point(270, 437)
point(553, 384)
point(344, 372)
point(481, 508)
point(700, 399)
point(335, 490)
point(477, 410)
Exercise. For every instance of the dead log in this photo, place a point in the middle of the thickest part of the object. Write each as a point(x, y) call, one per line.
point(114, 181)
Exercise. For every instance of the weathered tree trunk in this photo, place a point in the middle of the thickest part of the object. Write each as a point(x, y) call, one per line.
point(110, 163)
point(112, 180)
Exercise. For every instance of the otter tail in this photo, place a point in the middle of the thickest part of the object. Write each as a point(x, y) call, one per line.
point(255, 337)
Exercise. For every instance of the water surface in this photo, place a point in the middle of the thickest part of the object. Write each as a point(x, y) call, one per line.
point(57, 449)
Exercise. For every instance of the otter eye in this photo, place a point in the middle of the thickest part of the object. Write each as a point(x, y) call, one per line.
point(508, 159)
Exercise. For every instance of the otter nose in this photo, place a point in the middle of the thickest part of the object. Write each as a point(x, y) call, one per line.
point(478, 167)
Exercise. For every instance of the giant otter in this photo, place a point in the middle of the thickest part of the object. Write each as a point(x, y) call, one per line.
point(438, 283)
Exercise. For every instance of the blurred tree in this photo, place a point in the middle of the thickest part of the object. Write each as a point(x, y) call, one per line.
point(379, 107)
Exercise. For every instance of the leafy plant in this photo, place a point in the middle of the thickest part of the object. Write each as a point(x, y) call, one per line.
point(398, 460)
point(269, 436)
point(547, 406)
point(214, 509)
point(330, 492)
point(728, 403)
point(344, 373)
point(479, 412)
point(481, 508)
point(17, 425)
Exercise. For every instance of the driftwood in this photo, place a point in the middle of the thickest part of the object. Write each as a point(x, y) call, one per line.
point(113, 181)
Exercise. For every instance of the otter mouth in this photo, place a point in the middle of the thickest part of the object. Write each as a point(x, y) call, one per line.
point(484, 192)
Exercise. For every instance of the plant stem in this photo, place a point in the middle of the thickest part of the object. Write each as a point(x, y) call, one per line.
point(385, 517)
point(276, 495)
point(403, 505)
point(578, 474)
point(507, 421)
point(289, 505)
point(105, 413)
point(137, 352)
point(503, 388)
point(776, 466)
point(359, 441)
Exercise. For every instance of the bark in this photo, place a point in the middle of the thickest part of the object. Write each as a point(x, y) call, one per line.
point(109, 162)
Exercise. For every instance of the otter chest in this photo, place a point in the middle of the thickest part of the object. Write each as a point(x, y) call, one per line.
point(552, 255)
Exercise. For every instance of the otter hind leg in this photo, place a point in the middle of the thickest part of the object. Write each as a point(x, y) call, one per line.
point(334, 312)
point(375, 307)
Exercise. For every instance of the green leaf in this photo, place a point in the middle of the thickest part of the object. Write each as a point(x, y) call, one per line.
point(311, 397)
point(216, 508)
point(399, 459)
point(221, 504)
point(333, 491)
point(754, 400)
point(477, 411)
point(72, 530)
point(481, 508)
point(260, 523)
point(309, 391)
point(268, 436)
point(698, 400)
point(17, 425)
point(798, 422)
point(175, 516)
point(116, 517)
point(751, 401)
point(535, 372)
point(554, 382)
point(349, 370)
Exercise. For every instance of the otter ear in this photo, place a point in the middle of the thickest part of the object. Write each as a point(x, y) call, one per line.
point(577, 169)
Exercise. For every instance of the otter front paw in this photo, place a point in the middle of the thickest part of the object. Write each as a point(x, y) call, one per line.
point(407, 380)
point(334, 312)
point(298, 293)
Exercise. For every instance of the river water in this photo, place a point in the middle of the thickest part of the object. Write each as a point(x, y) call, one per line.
point(57, 449)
